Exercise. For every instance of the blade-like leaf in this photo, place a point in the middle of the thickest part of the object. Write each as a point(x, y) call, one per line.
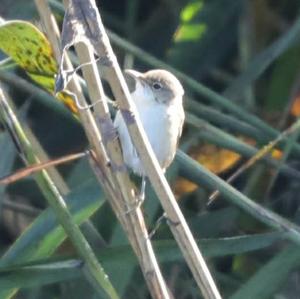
point(196, 172)
point(263, 61)
point(44, 235)
point(7, 154)
point(270, 277)
point(117, 259)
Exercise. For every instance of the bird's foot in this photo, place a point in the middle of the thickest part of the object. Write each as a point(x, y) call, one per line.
point(158, 223)
point(140, 197)
point(138, 203)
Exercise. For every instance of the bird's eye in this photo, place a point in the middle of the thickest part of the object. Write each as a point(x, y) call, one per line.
point(157, 85)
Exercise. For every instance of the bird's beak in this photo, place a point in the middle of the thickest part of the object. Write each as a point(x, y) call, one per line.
point(132, 77)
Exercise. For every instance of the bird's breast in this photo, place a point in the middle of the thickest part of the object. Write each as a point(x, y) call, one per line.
point(162, 124)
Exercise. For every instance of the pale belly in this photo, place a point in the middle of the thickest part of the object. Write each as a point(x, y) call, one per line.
point(162, 128)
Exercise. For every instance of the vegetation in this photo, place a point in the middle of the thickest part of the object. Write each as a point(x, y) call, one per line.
point(239, 64)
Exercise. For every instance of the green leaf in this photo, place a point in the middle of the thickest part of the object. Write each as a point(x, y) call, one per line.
point(191, 10)
point(203, 24)
point(31, 50)
point(263, 60)
point(197, 173)
point(44, 235)
point(7, 154)
point(283, 77)
point(271, 276)
point(117, 259)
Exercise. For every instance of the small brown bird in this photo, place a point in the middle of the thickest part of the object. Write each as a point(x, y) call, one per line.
point(157, 95)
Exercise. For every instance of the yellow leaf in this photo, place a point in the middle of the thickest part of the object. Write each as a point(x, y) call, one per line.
point(183, 186)
point(295, 109)
point(31, 50)
point(214, 158)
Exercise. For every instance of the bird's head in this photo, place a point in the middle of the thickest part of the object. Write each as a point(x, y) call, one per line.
point(156, 85)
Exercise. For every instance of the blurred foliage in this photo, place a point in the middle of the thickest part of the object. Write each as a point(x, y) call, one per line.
point(217, 43)
point(201, 28)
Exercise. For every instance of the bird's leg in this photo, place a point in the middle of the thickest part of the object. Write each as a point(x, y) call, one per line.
point(143, 189)
point(140, 196)
point(159, 222)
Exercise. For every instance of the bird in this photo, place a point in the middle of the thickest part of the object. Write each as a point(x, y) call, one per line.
point(158, 97)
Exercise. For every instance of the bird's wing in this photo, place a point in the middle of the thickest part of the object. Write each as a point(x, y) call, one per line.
point(180, 127)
